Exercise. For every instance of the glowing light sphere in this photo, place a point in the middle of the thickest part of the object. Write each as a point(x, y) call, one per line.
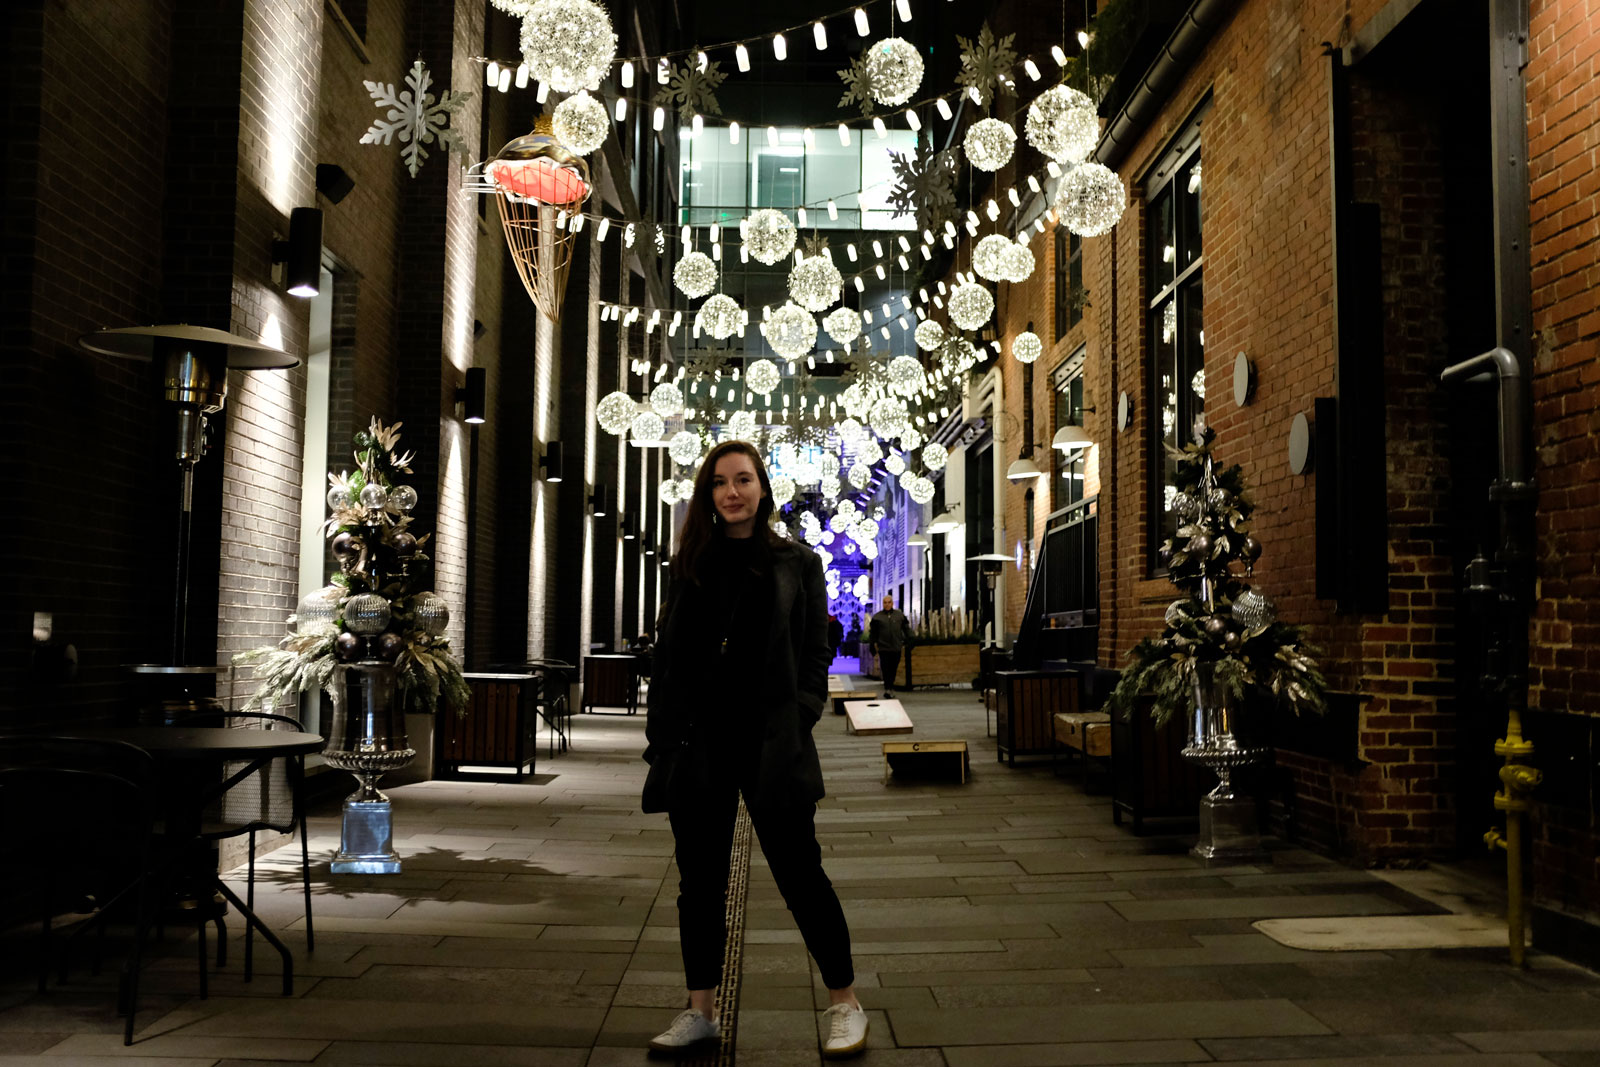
point(668, 492)
point(855, 400)
point(869, 451)
point(666, 400)
point(1016, 262)
point(970, 305)
point(780, 528)
point(865, 530)
point(860, 474)
point(791, 331)
point(762, 377)
point(842, 324)
point(838, 521)
point(568, 44)
point(888, 416)
point(814, 283)
point(894, 464)
point(1254, 611)
point(929, 335)
point(1063, 124)
point(782, 490)
point(921, 490)
point(869, 550)
point(910, 439)
point(813, 535)
point(581, 123)
point(695, 275)
point(615, 413)
point(847, 509)
point(935, 456)
point(720, 317)
point(895, 68)
point(684, 448)
point(831, 487)
point(686, 489)
point(849, 431)
point(988, 258)
point(989, 144)
point(828, 464)
point(769, 235)
point(905, 374)
point(647, 426)
point(741, 426)
point(1091, 199)
point(1027, 347)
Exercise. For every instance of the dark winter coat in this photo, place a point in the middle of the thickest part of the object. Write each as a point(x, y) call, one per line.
point(792, 693)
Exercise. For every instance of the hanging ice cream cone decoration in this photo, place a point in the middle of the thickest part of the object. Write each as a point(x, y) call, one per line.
point(541, 187)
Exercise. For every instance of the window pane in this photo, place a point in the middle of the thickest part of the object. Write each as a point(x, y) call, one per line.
point(1192, 377)
point(1165, 393)
point(1163, 248)
point(1187, 186)
point(1074, 281)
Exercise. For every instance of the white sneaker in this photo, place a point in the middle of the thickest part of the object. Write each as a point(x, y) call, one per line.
point(689, 1028)
point(847, 1031)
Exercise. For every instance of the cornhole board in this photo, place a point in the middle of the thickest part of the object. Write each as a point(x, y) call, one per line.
point(869, 717)
point(930, 752)
point(842, 687)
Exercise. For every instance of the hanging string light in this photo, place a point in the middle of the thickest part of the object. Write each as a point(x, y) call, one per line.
point(989, 144)
point(720, 317)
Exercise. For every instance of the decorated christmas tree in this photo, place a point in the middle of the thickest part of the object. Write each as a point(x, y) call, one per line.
point(378, 608)
point(1221, 631)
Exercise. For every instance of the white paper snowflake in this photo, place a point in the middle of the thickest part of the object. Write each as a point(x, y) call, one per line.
point(415, 116)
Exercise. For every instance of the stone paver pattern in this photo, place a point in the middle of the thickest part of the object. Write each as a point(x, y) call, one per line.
point(1001, 923)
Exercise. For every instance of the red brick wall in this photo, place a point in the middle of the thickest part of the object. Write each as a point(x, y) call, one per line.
point(1564, 177)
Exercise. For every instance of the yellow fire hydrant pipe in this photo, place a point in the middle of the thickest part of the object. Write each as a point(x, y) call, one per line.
point(1518, 781)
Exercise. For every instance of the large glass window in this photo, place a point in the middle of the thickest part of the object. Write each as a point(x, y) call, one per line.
point(1069, 281)
point(1067, 473)
point(1176, 327)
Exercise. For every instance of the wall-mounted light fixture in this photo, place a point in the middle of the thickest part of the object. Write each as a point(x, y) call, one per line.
point(649, 549)
point(473, 396)
point(918, 540)
point(1024, 468)
point(301, 254)
point(551, 463)
point(600, 501)
point(629, 531)
point(946, 522)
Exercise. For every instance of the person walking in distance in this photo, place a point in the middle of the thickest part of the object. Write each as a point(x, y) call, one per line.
point(888, 633)
point(740, 677)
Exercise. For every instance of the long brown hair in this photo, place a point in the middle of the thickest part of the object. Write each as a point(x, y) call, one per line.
point(701, 525)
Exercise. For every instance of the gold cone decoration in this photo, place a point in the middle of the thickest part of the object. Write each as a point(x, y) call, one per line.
point(541, 187)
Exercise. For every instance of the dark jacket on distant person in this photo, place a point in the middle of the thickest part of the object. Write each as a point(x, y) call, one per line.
point(889, 631)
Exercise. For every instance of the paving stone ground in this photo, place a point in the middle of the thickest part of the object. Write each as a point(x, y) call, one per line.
point(1001, 923)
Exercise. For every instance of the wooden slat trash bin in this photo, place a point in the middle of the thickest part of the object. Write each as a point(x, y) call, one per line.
point(934, 753)
point(1024, 723)
point(493, 739)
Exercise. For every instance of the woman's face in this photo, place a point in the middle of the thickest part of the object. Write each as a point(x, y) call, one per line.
point(736, 493)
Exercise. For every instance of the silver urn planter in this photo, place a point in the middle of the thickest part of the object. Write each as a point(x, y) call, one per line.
point(1220, 739)
point(367, 737)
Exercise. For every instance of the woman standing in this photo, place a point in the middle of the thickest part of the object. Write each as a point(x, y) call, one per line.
point(740, 678)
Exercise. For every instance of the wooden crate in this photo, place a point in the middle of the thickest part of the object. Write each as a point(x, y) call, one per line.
point(1028, 704)
point(496, 732)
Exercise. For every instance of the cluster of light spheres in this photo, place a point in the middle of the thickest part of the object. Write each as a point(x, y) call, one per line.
point(935, 456)
point(684, 448)
point(568, 44)
point(888, 417)
point(782, 490)
point(581, 123)
point(894, 71)
point(666, 400)
point(989, 144)
point(720, 317)
point(929, 334)
point(1091, 199)
point(1027, 347)
point(814, 283)
point(762, 377)
point(695, 275)
point(647, 426)
point(1063, 124)
point(988, 258)
point(905, 374)
point(615, 412)
point(742, 426)
point(842, 324)
point(970, 305)
point(791, 331)
point(769, 235)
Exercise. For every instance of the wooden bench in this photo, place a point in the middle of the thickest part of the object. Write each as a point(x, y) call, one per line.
point(868, 717)
point(910, 750)
point(1087, 731)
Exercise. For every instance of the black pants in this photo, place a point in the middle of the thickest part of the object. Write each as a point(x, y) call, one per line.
point(702, 827)
point(888, 666)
